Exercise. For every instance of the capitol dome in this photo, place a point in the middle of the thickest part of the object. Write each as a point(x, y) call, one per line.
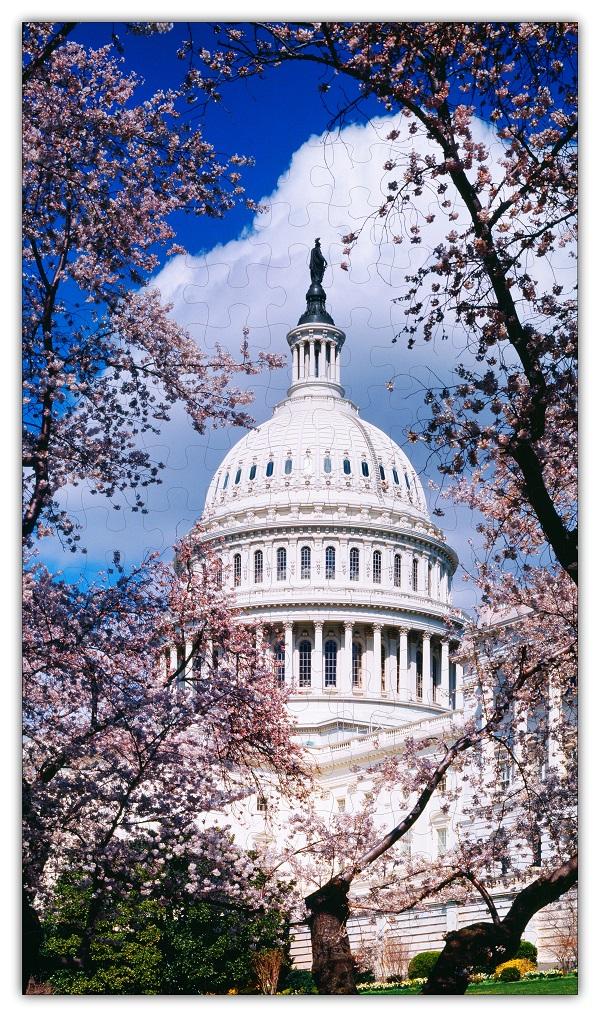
point(322, 526)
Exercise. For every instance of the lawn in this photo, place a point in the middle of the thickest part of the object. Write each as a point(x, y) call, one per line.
point(566, 986)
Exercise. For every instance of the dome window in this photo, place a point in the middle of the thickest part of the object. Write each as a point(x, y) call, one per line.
point(415, 575)
point(330, 656)
point(347, 467)
point(226, 481)
point(287, 469)
point(305, 653)
point(305, 563)
point(237, 570)
point(327, 464)
point(258, 566)
point(281, 563)
point(381, 472)
point(354, 564)
point(238, 475)
point(397, 570)
point(376, 566)
point(252, 473)
point(357, 653)
point(269, 469)
point(365, 468)
point(395, 475)
point(279, 660)
point(330, 563)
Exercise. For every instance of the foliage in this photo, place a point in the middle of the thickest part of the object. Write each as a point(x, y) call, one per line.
point(422, 963)
point(103, 365)
point(528, 951)
point(154, 946)
point(522, 965)
point(298, 983)
point(510, 973)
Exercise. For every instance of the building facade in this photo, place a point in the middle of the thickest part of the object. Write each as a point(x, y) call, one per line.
point(326, 542)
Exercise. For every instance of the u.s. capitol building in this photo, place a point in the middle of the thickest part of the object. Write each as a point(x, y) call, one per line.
point(323, 529)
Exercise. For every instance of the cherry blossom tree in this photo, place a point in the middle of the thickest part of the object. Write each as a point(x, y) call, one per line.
point(103, 361)
point(505, 430)
point(131, 758)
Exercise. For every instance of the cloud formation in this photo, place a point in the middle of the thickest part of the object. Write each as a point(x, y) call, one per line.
point(334, 182)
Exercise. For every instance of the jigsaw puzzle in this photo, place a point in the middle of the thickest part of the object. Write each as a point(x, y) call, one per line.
point(299, 668)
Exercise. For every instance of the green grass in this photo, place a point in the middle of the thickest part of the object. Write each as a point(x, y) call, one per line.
point(566, 986)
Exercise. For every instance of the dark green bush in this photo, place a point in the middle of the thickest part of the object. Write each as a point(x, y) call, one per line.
point(526, 951)
point(422, 964)
point(510, 975)
point(299, 983)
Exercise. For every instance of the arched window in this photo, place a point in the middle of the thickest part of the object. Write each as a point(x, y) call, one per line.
point(429, 579)
point(397, 570)
point(237, 570)
point(287, 469)
point(258, 566)
point(395, 475)
point(305, 651)
point(381, 472)
point(357, 669)
point(376, 566)
point(269, 469)
point(419, 689)
point(434, 677)
point(365, 468)
point(327, 464)
point(225, 481)
point(281, 563)
point(330, 663)
point(238, 475)
point(415, 575)
point(383, 657)
point(354, 564)
point(252, 473)
point(305, 563)
point(279, 658)
point(347, 467)
point(330, 563)
point(219, 573)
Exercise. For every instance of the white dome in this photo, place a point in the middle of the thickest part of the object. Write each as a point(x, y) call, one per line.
point(316, 449)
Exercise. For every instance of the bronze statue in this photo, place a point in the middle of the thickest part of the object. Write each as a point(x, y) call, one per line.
point(317, 263)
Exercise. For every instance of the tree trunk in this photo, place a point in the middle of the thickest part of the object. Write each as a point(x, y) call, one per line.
point(333, 964)
point(31, 938)
point(483, 945)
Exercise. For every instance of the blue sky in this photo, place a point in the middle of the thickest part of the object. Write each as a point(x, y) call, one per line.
point(249, 269)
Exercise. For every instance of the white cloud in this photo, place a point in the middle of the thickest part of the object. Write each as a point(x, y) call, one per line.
point(259, 280)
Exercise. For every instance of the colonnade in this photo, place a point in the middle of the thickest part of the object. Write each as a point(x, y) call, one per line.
point(316, 358)
point(372, 660)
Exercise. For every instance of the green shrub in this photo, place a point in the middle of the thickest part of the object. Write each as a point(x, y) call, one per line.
point(298, 983)
point(510, 974)
point(526, 951)
point(422, 964)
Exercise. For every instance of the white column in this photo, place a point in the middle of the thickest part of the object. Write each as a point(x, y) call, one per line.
point(304, 360)
point(406, 690)
point(459, 694)
point(346, 668)
point(311, 358)
point(190, 663)
point(317, 662)
point(295, 662)
point(297, 362)
point(329, 354)
point(391, 666)
point(337, 362)
point(427, 689)
point(289, 644)
point(374, 676)
point(444, 689)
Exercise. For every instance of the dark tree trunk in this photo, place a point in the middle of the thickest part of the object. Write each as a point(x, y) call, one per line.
point(31, 938)
point(485, 944)
point(333, 964)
